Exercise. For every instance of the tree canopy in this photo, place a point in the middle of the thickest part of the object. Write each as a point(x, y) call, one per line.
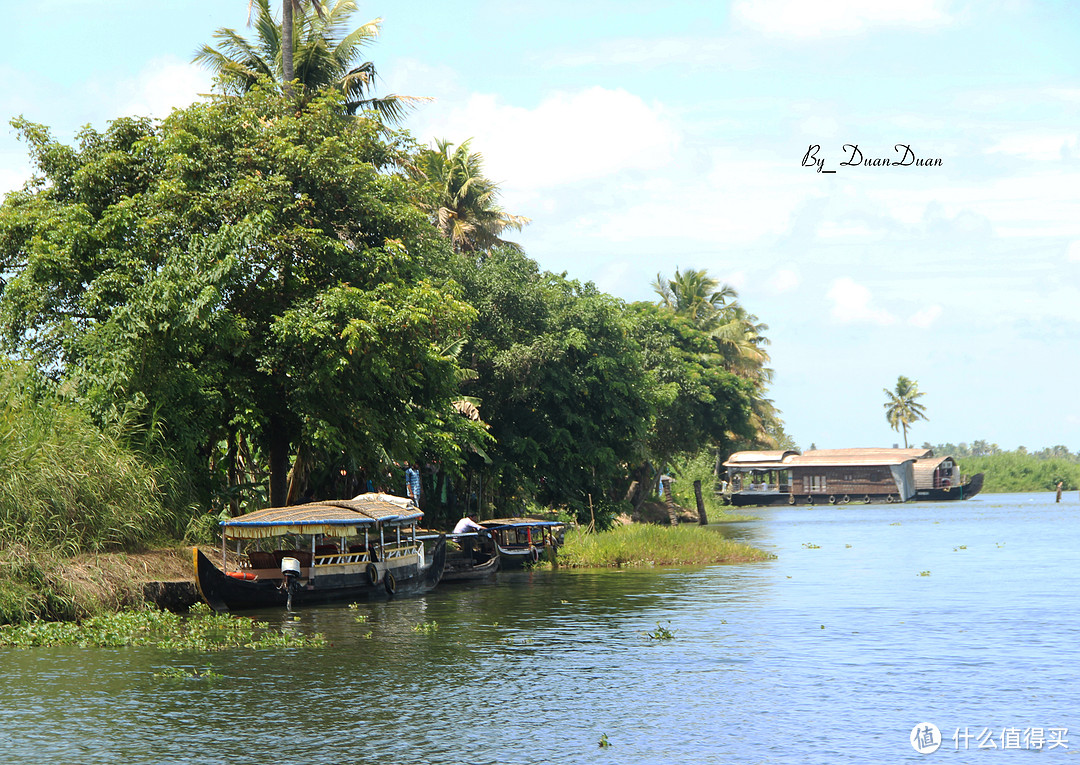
point(241, 268)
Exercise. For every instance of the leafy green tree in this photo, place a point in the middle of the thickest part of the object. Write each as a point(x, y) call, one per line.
point(902, 407)
point(562, 385)
point(242, 272)
point(325, 50)
point(698, 401)
point(461, 201)
point(713, 308)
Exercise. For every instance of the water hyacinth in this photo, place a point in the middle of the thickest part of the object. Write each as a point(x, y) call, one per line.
point(202, 631)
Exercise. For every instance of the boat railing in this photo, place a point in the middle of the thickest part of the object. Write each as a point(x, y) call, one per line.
point(342, 559)
point(400, 551)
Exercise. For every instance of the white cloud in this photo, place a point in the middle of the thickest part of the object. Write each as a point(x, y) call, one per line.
point(784, 280)
point(1038, 146)
point(798, 18)
point(566, 138)
point(853, 304)
point(1073, 251)
point(925, 318)
point(165, 84)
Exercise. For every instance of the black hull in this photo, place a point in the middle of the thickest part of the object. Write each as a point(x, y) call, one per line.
point(464, 570)
point(965, 491)
point(760, 499)
point(226, 593)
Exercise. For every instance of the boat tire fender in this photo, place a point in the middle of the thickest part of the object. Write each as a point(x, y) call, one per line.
point(390, 583)
point(534, 554)
point(889, 499)
point(791, 499)
point(846, 499)
point(832, 499)
point(373, 574)
point(866, 500)
point(809, 499)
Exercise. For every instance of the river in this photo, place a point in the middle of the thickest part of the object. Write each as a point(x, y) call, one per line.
point(871, 621)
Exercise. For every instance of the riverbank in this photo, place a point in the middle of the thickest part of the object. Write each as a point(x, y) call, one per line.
point(41, 585)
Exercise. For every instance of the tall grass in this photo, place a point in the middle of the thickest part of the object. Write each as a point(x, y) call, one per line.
point(643, 544)
point(65, 485)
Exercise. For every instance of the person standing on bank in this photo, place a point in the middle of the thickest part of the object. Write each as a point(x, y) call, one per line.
point(412, 483)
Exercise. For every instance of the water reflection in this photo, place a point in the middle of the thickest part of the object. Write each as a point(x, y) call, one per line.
point(831, 652)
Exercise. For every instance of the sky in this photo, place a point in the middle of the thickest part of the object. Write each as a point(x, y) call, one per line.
point(642, 139)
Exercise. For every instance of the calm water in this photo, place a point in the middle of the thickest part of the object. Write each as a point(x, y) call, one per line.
point(831, 653)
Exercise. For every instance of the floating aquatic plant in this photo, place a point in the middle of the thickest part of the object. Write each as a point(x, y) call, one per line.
point(661, 632)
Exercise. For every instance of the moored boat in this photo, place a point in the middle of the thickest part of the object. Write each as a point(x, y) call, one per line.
point(354, 549)
point(841, 476)
point(522, 541)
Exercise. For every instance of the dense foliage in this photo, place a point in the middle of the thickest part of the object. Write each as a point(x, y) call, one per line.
point(241, 273)
point(1011, 471)
point(279, 300)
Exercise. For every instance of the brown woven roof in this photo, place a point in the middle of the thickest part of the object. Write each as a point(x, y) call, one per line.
point(338, 516)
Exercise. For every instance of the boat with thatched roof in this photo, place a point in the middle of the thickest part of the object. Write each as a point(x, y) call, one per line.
point(349, 549)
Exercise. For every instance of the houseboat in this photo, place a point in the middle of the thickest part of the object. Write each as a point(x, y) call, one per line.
point(840, 476)
point(347, 549)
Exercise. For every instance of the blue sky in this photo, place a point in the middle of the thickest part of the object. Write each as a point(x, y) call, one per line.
point(642, 139)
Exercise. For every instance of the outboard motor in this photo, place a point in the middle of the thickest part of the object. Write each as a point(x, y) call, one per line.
point(290, 569)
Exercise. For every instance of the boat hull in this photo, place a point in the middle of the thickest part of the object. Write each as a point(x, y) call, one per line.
point(965, 491)
point(763, 499)
point(227, 593)
point(462, 569)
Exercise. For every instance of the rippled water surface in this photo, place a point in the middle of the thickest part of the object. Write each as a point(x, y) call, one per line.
point(870, 620)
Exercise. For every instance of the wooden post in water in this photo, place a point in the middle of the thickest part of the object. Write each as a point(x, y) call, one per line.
point(1058, 492)
point(702, 518)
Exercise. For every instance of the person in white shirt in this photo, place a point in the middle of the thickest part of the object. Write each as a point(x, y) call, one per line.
point(464, 526)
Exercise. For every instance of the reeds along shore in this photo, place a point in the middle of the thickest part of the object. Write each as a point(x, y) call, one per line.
point(651, 545)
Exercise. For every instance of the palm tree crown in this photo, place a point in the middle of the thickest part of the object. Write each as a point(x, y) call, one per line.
point(325, 56)
point(461, 201)
point(901, 408)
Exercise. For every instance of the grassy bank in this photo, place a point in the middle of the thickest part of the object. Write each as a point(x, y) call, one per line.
point(643, 544)
point(69, 490)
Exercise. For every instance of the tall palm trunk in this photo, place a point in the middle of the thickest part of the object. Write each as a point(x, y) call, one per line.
point(287, 70)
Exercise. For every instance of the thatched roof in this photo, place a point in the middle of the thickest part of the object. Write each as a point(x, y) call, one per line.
point(337, 517)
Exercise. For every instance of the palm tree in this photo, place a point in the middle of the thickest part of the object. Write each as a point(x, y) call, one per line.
point(696, 295)
point(902, 409)
point(320, 54)
point(461, 201)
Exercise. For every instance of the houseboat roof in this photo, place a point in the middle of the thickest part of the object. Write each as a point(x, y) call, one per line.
point(924, 470)
point(336, 517)
point(779, 460)
point(776, 456)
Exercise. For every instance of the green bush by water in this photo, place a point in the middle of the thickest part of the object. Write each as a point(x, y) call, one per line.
point(643, 544)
